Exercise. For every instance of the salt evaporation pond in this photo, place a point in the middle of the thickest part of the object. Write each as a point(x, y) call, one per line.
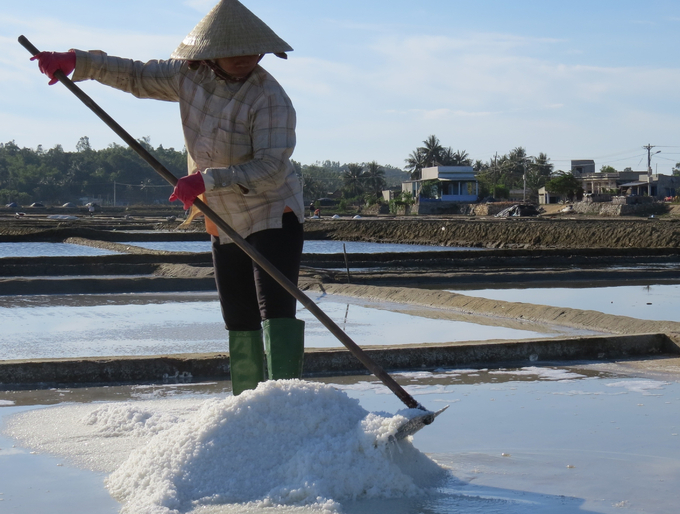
point(514, 441)
point(314, 246)
point(660, 302)
point(74, 250)
point(68, 326)
point(50, 250)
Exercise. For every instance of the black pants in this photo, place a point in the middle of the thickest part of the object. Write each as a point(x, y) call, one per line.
point(247, 293)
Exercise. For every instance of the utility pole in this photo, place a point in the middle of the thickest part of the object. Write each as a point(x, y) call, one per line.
point(649, 167)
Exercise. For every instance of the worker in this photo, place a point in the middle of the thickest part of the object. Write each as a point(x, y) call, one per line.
point(239, 129)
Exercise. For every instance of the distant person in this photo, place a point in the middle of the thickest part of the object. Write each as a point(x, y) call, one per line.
point(311, 209)
point(317, 213)
point(239, 128)
point(90, 209)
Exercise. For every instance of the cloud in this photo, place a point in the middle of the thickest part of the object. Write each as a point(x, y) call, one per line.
point(57, 35)
point(492, 91)
point(364, 92)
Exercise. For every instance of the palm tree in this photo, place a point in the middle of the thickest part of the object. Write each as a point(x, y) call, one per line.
point(538, 173)
point(543, 165)
point(432, 151)
point(461, 158)
point(480, 166)
point(415, 164)
point(448, 157)
point(352, 180)
point(374, 178)
point(514, 167)
point(312, 188)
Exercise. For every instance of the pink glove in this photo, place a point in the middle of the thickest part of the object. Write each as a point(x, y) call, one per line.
point(50, 62)
point(188, 188)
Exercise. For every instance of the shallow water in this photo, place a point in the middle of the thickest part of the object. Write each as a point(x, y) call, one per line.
point(49, 250)
point(66, 326)
point(659, 302)
point(70, 250)
point(309, 247)
point(532, 440)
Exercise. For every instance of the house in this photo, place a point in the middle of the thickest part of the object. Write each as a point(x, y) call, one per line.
point(545, 197)
point(456, 184)
point(655, 185)
point(582, 166)
point(630, 183)
point(391, 194)
point(599, 183)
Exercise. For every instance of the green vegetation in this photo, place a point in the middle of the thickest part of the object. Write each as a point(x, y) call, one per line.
point(565, 184)
point(496, 177)
point(355, 183)
point(432, 153)
point(55, 177)
point(401, 202)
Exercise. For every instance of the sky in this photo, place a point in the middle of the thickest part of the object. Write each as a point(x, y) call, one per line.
point(370, 80)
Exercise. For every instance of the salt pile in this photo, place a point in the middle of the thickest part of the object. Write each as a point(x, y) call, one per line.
point(287, 443)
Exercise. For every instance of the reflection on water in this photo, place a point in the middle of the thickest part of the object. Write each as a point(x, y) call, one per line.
point(64, 249)
point(49, 250)
point(515, 441)
point(360, 247)
point(133, 324)
point(659, 302)
point(309, 247)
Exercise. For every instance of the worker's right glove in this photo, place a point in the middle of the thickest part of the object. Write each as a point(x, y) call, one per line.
point(51, 62)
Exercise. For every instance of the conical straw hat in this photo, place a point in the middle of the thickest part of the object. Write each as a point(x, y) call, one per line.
point(230, 29)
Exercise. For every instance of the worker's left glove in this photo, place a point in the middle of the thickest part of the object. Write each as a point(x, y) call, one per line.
point(51, 62)
point(188, 188)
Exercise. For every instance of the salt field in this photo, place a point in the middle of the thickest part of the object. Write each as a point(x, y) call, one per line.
point(70, 250)
point(49, 250)
point(67, 326)
point(313, 246)
point(659, 302)
point(562, 440)
point(597, 437)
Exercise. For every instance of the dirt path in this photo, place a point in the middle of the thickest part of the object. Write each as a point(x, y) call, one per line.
point(505, 233)
point(542, 232)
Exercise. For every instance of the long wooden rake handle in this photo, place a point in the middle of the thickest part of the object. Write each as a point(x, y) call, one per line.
point(255, 255)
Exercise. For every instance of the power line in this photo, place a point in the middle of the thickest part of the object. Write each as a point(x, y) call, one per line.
point(142, 186)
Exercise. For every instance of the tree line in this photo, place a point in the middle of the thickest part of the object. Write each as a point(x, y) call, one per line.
point(57, 177)
point(356, 183)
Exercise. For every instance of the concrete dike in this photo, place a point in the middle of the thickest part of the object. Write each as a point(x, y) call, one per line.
point(47, 373)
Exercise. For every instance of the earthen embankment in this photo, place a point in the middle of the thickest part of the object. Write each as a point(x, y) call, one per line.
point(505, 232)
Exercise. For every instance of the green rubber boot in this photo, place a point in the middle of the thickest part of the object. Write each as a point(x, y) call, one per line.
point(284, 342)
point(246, 360)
